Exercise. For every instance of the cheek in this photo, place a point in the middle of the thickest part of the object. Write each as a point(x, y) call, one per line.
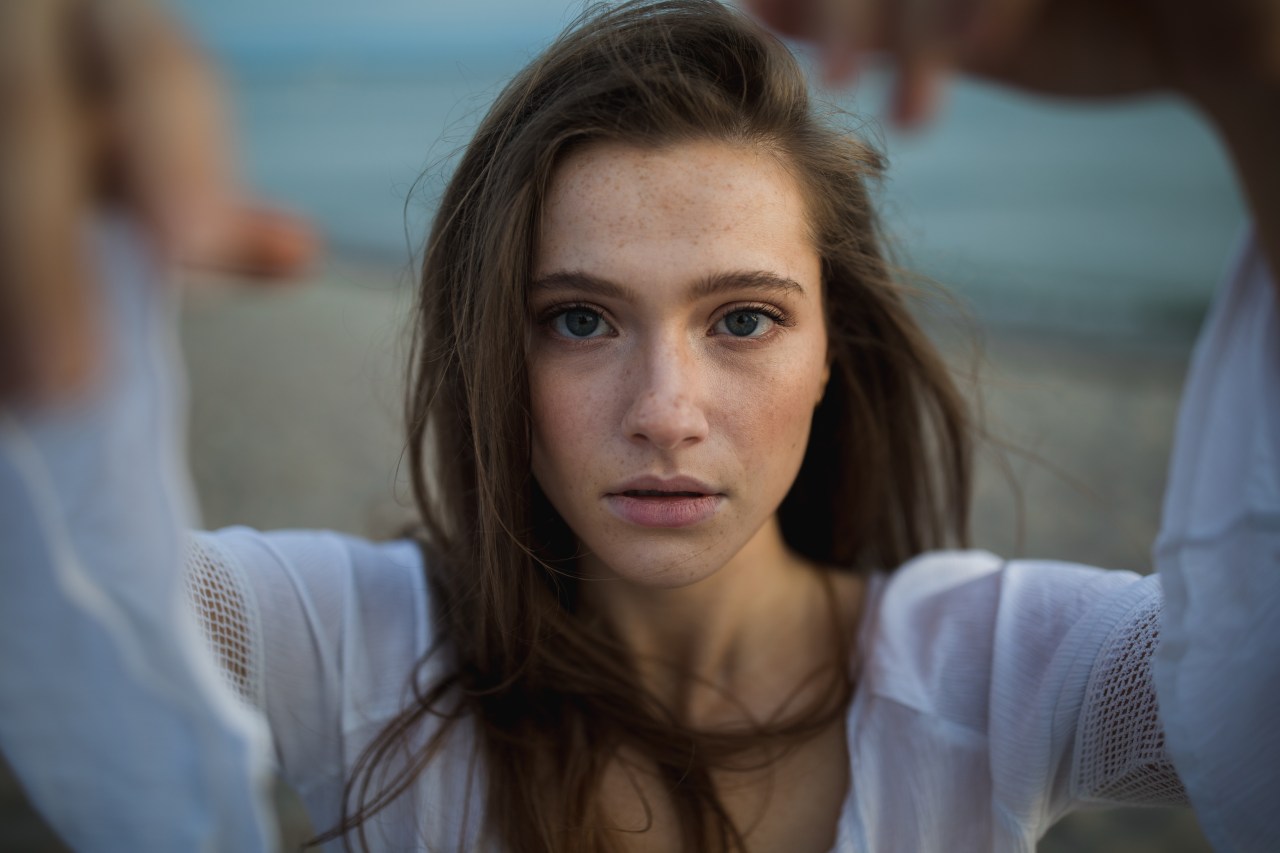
point(566, 413)
point(782, 422)
point(772, 425)
point(550, 417)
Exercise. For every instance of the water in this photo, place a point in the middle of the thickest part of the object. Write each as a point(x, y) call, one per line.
point(365, 158)
point(1111, 221)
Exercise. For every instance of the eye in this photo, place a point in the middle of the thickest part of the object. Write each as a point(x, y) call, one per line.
point(579, 324)
point(745, 323)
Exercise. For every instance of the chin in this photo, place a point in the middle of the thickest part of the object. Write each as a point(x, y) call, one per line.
point(668, 564)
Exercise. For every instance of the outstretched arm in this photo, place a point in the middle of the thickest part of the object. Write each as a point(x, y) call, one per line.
point(112, 168)
point(111, 710)
point(1248, 119)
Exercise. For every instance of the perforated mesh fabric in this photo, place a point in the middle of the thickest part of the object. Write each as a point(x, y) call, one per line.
point(1120, 753)
point(228, 615)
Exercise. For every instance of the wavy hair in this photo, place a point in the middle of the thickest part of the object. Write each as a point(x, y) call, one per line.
point(554, 696)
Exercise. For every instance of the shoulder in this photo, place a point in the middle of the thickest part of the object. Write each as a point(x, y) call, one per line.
point(949, 627)
point(352, 608)
point(332, 571)
point(324, 631)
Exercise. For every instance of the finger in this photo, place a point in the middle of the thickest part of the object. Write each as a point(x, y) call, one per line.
point(259, 243)
point(991, 28)
point(849, 29)
point(793, 18)
point(921, 41)
point(46, 337)
point(175, 158)
point(918, 91)
point(171, 155)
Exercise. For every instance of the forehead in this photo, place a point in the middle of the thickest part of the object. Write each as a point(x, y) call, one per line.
point(685, 209)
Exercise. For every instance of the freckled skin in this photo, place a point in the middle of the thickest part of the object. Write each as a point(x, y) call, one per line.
point(668, 392)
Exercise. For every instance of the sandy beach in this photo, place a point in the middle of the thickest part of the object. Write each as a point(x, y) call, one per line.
point(295, 423)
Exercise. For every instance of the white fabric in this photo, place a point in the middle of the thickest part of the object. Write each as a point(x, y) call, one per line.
point(968, 729)
point(111, 710)
point(963, 733)
point(343, 622)
point(1120, 753)
point(1218, 555)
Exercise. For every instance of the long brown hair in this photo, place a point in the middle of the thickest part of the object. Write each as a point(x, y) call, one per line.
point(554, 696)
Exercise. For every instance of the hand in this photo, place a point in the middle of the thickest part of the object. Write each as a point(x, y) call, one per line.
point(1203, 48)
point(103, 103)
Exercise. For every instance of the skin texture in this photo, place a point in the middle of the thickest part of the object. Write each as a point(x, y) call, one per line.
point(662, 388)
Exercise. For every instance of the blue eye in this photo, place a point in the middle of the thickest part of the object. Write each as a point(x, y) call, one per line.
point(579, 323)
point(745, 324)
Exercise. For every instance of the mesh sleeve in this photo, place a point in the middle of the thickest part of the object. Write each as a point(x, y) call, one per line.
point(1120, 745)
point(227, 612)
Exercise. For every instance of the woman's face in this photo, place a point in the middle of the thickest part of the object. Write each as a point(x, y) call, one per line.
point(678, 351)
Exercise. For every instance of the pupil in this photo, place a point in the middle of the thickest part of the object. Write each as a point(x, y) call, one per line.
point(581, 323)
point(742, 323)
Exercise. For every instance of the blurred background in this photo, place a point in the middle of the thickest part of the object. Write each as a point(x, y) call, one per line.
point(1081, 245)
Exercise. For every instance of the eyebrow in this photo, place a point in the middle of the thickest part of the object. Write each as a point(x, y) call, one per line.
point(737, 280)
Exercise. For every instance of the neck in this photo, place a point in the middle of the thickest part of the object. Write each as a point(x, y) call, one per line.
point(715, 650)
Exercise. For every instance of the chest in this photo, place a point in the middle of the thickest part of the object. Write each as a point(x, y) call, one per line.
point(791, 804)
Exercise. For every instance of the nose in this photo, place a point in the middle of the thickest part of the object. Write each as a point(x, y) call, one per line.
point(666, 410)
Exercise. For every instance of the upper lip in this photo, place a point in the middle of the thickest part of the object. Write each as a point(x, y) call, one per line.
point(664, 484)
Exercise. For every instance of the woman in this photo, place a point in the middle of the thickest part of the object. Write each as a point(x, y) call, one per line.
point(671, 426)
point(669, 415)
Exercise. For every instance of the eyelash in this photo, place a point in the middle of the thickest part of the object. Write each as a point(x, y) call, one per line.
point(549, 316)
point(777, 316)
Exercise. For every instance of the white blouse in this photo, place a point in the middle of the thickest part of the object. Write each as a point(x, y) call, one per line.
point(112, 713)
point(1218, 556)
point(992, 698)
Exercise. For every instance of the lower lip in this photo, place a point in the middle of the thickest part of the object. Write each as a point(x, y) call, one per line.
point(664, 512)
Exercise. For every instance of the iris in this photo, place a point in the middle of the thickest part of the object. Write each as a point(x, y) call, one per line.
point(742, 323)
point(580, 323)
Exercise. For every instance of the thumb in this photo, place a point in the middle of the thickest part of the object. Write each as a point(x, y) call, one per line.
point(250, 241)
